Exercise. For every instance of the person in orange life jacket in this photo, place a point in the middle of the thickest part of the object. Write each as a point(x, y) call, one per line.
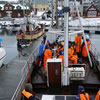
point(98, 95)
point(47, 55)
point(71, 56)
point(61, 55)
point(78, 40)
point(60, 47)
point(73, 47)
point(27, 93)
point(82, 95)
point(84, 51)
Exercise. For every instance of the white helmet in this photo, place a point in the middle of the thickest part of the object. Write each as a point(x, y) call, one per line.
point(87, 36)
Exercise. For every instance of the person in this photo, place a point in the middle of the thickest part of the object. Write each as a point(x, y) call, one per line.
point(98, 95)
point(47, 55)
point(78, 40)
point(61, 55)
point(19, 48)
point(27, 93)
point(84, 51)
point(82, 95)
point(72, 56)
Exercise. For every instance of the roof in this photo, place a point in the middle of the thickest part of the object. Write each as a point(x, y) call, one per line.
point(41, 2)
point(15, 6)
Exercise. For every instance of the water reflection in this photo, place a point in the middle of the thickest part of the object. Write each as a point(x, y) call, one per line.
point(10, 45)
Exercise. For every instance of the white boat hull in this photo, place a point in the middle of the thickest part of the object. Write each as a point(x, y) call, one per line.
point(2, 55)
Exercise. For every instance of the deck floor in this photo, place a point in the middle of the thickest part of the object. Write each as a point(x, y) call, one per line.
point(10, 74)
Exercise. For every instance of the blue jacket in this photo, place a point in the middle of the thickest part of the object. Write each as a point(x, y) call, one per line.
point(41, 49)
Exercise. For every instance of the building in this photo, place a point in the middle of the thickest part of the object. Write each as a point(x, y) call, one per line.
point(73, 11)
point(40, 5)
point(93, 11)
point(13, 10)
point(86, 4)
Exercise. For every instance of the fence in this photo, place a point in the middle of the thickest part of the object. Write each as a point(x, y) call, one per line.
point(95, 52)
point(25, 71)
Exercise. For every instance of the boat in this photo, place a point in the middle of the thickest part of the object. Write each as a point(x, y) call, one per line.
point(2, 53)
point(31, 34)
point(64, 78)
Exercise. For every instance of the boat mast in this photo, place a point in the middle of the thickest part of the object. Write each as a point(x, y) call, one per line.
point(56, 13)
point(66, 16)
point(83, 33)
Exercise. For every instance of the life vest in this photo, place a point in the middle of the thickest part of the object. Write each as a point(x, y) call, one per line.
point(61, 57)
point(84, 51)
point(71, 56)
point(47, 55)
point(78, 40)
point(84, 96)
point(22, 34)
point(26, 94)
point(98, 96)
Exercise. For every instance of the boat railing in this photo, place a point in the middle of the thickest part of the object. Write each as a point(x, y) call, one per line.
point(95, 52)
point(26, 72)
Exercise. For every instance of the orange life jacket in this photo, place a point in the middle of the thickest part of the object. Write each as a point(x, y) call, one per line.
point(71, 56)
point(98, 96)
point(61, 57)
point(26, 94)
point(84, 51)
point(84, 96)
point(47, 55)
point(22, 34)
point(78, 40)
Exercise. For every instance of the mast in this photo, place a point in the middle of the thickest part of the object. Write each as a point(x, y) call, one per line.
point(52, 11)
point(83, 34)
point(56, 13)
point(66, 16)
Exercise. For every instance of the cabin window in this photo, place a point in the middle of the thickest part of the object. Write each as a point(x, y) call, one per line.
point(10, 8)
point(6, 8)
point(19, 14)
point(92, 13)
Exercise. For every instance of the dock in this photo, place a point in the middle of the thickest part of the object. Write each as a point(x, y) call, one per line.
point(11, 74)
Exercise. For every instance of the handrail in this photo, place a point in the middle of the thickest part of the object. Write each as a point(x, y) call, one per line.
point(19, 87)
point(95, 52)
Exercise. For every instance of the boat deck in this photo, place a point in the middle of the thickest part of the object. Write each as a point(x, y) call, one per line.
point(10, 74)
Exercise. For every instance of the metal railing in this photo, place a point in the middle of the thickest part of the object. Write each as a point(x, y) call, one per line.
point(25, 71)
point(95, 52)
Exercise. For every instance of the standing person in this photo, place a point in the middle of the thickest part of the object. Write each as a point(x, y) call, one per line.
point(27, 93)
point(47, 55)
point(84, 51)
point(19, 48)
point(82, 95)
point(98, 95)
point(78, 40)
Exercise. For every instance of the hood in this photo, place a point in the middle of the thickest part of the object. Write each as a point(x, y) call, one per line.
point(81, 89)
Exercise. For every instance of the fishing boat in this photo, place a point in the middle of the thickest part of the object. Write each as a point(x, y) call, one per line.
point(2, 52)
point(64, 78)
point(32, 32)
